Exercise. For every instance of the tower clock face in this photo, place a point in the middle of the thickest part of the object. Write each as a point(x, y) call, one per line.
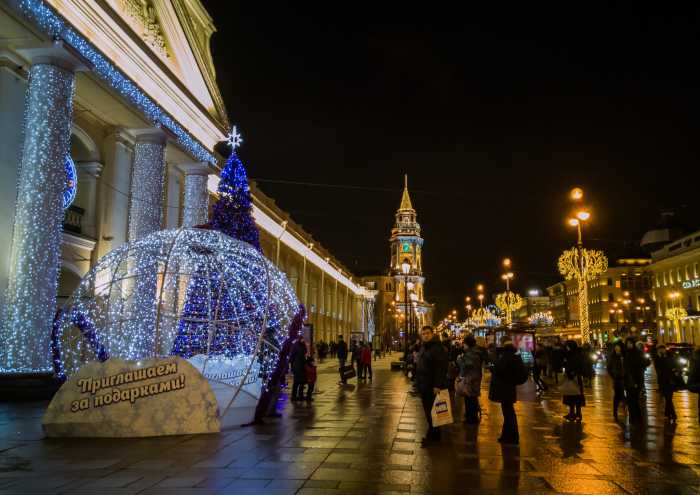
point(406, 247)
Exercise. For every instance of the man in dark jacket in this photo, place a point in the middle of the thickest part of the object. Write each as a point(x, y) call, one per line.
point(506, 371)
point(298, 358)
point(634, 364)
point(431, 375)
point(341, 350)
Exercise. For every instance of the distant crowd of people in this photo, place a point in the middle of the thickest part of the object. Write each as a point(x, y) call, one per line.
point(441, 362)
point(444, 362)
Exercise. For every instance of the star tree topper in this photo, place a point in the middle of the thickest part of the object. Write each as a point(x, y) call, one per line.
point(234, 139)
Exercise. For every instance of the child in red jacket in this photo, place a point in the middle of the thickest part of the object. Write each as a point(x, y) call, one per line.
point(310, 378)
point(366, 361)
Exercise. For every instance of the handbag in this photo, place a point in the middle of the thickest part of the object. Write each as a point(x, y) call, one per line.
point(462, 386)
point(348, 372)
point(569, 387)
point(441, 414)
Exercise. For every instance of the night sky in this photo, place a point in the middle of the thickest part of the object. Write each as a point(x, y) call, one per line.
point(494, 112)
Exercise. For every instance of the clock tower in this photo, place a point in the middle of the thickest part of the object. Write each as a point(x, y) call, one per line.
point(407, 247)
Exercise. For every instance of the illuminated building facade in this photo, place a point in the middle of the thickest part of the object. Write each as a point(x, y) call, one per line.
point(676, 286)
point(110, 114)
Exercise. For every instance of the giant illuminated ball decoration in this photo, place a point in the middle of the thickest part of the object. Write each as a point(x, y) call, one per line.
point(199, 294)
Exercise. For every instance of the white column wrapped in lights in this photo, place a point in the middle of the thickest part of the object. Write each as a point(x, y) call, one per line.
point(147, 182)
point(36, 239)
point(145, 217)
point(196, 207)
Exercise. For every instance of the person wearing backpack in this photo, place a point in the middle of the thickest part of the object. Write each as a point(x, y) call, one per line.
point(508, 372)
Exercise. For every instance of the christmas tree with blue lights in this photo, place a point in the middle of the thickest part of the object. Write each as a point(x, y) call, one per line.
point(231, 215)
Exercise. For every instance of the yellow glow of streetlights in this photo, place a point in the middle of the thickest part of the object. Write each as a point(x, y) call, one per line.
point(573, 222)
point(576, 194)
point(480, 288)
point(507, 276)
point(506, 262)
point(674, 295)
point(481, 297)
point(468, 299)
point(583, 215)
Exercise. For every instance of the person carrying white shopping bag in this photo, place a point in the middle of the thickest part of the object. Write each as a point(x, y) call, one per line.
point(431, 378)
point(441, 414)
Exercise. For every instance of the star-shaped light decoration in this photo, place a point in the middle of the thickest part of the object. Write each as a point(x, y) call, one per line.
point(234, 139)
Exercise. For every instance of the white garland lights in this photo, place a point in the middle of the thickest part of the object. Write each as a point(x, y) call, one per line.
point(54, 26)
point(36, 239)
point(218, 302)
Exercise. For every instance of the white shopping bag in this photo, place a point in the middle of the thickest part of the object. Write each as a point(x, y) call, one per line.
point(442, 409)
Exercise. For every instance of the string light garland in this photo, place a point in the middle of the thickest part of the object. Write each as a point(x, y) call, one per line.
point(582, 265)
point(71, 182)
point(30, 300)
point(57, 28)
point(508, 302)
point(542, 318)
point(218, 302)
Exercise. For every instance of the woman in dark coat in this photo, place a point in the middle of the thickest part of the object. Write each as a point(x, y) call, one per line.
point(507, 372)
point(574, 369)
point(667, 377)
point(299, 369)
point(616, 370)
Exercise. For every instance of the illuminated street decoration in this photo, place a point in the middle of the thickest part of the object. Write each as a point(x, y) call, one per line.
point(691, 284)
point(246, 306)
point(582, 265)
point(541, 318)
point(30, 300)
point(71, 183)
point(508, 302)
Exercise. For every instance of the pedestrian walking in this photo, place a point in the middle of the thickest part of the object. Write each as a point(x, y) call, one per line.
point(539, 367)
point(694, 376)
point(431, 375)
point(341, 350)
point(508, 372)
point(298, 359)
point(572, 389)
point(469, 381)
point(366, 361)
point(668, 378)
point(310, 370)
point(634, 365)
point(616, 371)
point(557, 360)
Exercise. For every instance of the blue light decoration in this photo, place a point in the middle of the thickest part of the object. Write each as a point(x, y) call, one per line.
point(244, 308)
point(71, 183)
point(232, 213)
point(57, 28)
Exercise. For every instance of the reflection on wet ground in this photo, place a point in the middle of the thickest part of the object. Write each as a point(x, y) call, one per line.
point(364, 439)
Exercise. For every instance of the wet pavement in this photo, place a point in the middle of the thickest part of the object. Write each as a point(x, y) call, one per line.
point(365, 438)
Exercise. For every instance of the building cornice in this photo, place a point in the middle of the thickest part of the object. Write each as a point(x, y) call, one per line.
point(120, 61)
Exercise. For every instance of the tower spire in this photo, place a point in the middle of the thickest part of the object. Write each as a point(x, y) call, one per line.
point(405, 199)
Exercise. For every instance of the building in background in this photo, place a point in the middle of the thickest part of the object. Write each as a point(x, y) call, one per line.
point(532, 304)
point(676, 289)
point(400, 293)
point(619, 302)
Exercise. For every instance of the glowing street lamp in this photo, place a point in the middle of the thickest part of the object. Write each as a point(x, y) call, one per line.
point(581, 264)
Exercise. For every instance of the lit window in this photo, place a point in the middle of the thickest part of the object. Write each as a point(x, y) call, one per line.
point(658, 284)
point(687, 272)
point(678, 274)
point(695, 270)
point(665, 281)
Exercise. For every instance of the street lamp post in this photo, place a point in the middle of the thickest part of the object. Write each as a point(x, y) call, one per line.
point(406, 270)
point(582, 264)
